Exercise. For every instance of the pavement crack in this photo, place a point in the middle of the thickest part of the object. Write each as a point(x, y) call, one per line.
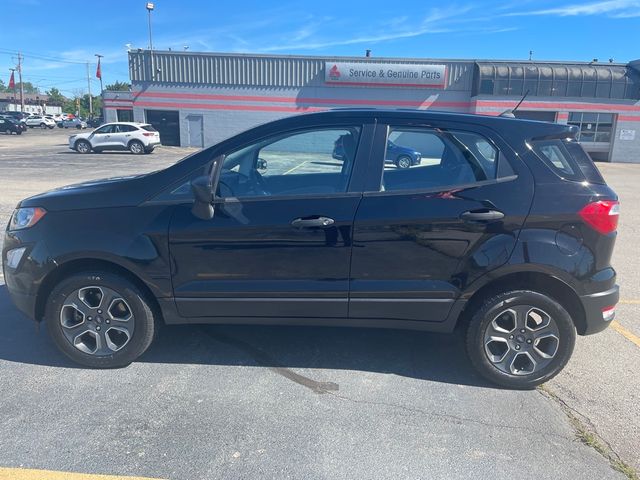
point(587, 433)
point(458, 420)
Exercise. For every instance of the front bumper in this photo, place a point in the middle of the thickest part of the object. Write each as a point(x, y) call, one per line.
point(594, 305)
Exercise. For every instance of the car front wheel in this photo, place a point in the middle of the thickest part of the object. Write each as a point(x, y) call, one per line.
point(403, 162)
point(520, 339)
point(100, 319)
point(82, 146)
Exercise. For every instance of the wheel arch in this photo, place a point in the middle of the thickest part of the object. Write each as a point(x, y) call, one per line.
point(79, 265)
point(529, 280)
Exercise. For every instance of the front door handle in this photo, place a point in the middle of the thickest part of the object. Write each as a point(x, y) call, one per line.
point(482, 216)
point(313, 222)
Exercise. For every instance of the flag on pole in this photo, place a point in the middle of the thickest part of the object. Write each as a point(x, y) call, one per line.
point(98, 71)
point(12, 83)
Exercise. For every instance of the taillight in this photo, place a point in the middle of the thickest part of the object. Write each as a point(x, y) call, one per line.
point(148, 134)
point(602, 216)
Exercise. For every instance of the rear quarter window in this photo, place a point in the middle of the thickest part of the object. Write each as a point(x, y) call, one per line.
point(554, 154)
point(149, 128)
point(568, 160)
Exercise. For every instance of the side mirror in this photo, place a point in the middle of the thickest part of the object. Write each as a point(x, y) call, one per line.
point(202, 193)
point(261, 164)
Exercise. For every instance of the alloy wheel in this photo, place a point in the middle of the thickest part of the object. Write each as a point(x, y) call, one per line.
point(404, 162)
point(97, 320)
point(521, 340)
point(136, 147)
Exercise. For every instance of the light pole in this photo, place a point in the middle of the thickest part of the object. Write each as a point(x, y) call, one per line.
point(150, 7)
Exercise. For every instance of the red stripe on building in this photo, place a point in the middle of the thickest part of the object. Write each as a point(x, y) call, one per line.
point(303, 100)
point(213, 106)
point(628, 118)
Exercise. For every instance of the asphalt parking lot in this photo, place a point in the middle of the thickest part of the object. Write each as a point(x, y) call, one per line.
point(276, 402)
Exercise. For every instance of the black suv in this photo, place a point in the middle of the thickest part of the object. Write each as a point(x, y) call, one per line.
point(505, 228)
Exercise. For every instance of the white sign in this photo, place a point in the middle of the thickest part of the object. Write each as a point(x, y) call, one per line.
point(627, 134)
point(386, 74)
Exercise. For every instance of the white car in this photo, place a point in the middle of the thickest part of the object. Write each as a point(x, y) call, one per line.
point(39, 121)
point(136, 137)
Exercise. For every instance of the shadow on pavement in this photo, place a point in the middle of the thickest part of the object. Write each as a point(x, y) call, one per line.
point(420, 355)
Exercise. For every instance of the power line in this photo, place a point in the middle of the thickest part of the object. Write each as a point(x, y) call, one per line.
point(42, 57)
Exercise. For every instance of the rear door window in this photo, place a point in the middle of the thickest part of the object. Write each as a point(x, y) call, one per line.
point(426, 158)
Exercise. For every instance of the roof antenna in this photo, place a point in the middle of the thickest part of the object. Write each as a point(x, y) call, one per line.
point(511, 112)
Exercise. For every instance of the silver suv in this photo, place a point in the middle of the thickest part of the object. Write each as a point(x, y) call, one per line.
point(136, 137)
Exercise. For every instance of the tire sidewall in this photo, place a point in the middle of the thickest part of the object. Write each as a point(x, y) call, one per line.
point(490, 309)
point(144, 320)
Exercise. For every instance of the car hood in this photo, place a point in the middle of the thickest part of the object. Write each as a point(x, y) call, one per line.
point(84, 135)
point(103, 193)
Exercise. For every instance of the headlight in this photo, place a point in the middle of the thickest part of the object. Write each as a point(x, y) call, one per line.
point(26, 217)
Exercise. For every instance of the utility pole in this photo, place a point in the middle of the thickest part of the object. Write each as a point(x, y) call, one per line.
point(21, 85)
point(89, 87)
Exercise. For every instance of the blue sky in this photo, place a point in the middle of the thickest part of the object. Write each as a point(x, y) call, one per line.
point(57, 37)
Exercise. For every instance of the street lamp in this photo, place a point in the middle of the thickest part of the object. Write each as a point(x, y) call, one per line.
point(150, 7)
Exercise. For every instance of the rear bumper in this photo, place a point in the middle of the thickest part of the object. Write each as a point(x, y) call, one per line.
point(594, 305)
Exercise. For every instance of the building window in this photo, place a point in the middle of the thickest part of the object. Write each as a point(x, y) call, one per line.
point(594, 127)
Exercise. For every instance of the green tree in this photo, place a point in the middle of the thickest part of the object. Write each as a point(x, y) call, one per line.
point(55, 96)
point(118, 86)
point(28, 87)
point(3, 87)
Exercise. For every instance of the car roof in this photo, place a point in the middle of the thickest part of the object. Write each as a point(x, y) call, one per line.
point(135, 124)
point(520, 127)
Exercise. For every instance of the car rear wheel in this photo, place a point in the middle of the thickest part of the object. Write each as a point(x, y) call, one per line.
point(403, 162)
point(82, 146)
point(136, 147)
point(520, 339)
point(100, 319)
point(43, 125)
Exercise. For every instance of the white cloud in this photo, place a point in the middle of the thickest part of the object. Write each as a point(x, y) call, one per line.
point(611, 8)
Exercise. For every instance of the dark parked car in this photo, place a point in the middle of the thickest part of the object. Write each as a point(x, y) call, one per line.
point(10, 126)
point(95, 122)
point(507, 235)
point(401, 157)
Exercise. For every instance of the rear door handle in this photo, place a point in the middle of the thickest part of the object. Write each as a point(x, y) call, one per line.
point(313, 222)
point(482, 216)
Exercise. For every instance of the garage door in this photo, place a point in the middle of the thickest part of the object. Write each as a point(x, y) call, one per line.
point(167, 123)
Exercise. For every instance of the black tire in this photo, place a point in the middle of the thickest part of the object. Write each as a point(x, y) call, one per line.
point(18, 132)
point(491, 309)
point(82, 146)
point(136, 147)
point(149, 150)
point(78, 127)
point(143, 316)
point(43, 125)
point(403, 161)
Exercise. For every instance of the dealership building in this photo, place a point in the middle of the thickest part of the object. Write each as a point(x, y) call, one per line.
point(198, 99)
